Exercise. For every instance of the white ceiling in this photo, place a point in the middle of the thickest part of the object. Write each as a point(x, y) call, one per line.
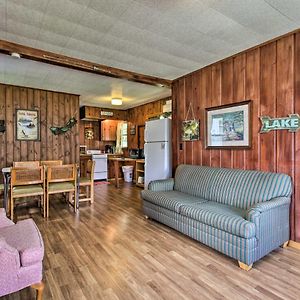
point(163, 38)
point(94, 90)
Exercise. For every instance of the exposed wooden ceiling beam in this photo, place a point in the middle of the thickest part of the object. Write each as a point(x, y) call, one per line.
point(7, 47)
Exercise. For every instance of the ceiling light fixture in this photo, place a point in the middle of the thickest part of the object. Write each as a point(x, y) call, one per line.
point(15, 55)
point(116, 101)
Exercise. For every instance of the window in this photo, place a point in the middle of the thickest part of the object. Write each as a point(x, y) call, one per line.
point(124, 143)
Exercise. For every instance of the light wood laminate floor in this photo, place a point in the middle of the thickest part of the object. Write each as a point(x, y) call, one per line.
point(109, 251)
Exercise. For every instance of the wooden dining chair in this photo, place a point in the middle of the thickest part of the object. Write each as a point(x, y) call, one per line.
point(62, 179)
point(26, 164)
point(51, 162)
point(27, 182)
point(86, 183)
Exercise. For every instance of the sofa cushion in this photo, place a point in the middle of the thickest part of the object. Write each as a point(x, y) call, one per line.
point(26, 238)
point(223, 217)
point(194, 180)
point(244, 188)
point(172, 200)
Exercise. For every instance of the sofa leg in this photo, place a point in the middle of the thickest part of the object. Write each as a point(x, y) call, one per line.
point(39, 287)
point(244, 266)
point(284, 245)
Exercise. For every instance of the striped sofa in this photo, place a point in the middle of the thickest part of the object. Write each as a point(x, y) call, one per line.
point(243, 214)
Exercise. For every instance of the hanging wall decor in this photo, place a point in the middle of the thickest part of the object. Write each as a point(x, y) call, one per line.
point(190, 128)
point(65, 128)
point(290, 123)
point(27, 125)
point(89, 133)
point(228, 126)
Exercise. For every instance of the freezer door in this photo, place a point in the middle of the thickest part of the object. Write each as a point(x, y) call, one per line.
point(157, 161)
point(158, 131)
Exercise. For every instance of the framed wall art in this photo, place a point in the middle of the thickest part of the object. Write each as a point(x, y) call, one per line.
point(229, 126)
point(27, 125)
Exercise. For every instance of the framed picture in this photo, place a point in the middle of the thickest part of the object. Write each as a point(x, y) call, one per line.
point(89, 133)
point(27, 125)
point(229, 126)
point(190, 130)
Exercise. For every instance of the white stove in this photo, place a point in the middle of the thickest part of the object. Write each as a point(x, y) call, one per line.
point(100, 159)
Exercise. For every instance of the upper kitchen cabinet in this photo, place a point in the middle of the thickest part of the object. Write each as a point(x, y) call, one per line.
point(109, 130)
point(89, 113)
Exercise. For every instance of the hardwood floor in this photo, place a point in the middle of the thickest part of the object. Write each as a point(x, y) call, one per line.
point(109, 251)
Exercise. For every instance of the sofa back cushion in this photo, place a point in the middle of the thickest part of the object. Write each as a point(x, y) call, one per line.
point(244, 188)
point(239, 188)
point(194, 180)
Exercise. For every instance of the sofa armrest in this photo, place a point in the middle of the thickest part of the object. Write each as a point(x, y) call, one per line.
point(161, 185)
point(271, 219)
point(258, 208)
point(4, 221)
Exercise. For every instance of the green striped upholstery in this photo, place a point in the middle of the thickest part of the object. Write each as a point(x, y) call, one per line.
point(194, 180)
point(223, 217)
point(161, 185)
point(244, 188)
point(239, 188)
point(243, 214)
point(172, 200)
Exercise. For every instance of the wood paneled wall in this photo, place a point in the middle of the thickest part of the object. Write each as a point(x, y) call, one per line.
point(55, 109)
point(269, 75)
point(137, 116)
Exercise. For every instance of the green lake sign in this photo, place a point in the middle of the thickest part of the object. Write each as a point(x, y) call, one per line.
point(290, 123)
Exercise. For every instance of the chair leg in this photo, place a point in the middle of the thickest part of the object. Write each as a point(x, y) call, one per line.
point(285, 244)
point(12, 208)
point(39, 287)
point(92, 192)
point(47, 205)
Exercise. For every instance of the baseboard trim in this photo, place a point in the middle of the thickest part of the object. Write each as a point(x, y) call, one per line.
point(294, 244)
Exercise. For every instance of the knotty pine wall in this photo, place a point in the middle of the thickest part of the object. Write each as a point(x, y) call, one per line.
point(137, 116)
point(55, 109)
point(269, 75)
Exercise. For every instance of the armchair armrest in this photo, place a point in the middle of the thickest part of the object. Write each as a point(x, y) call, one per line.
point(9, 257)
point(4, 221)
point(161, 185)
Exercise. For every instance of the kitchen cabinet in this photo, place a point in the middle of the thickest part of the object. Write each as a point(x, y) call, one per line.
point(89, 113)
point(109, 130)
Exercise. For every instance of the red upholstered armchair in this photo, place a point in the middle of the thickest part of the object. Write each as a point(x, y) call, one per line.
point(21, 256)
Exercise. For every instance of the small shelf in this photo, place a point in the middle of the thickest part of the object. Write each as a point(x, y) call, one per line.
point(140, 184)
point(139, 172)
point(142, 171)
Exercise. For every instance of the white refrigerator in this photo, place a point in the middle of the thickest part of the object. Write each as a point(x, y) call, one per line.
point(157, 150)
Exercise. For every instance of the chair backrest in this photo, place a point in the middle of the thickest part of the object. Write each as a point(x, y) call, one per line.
point(90, 169)
point(61, 173)
point(51, 163)
point(26, 164)
point(27, 176)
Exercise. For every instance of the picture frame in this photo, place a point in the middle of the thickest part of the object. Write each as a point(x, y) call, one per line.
point(190, 130)
point(27, 125)
point(229, 126)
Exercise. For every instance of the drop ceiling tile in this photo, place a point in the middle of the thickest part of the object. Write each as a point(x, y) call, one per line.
point(27, 31)
point(66, 10)
point(256, 15)
point(24, 15)
point(113, 8)
point(39, 5)
point(289, 8)
point(58, 26)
